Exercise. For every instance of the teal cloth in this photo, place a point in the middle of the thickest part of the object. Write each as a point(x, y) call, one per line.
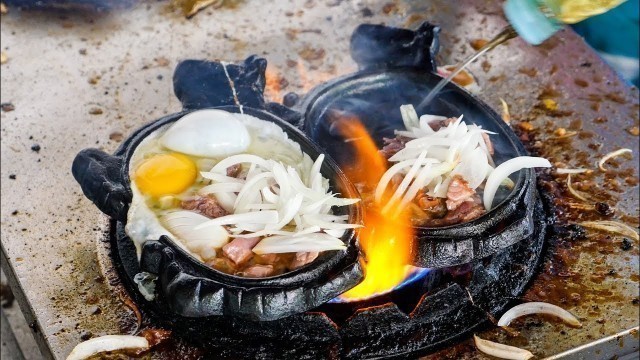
point(616, 32)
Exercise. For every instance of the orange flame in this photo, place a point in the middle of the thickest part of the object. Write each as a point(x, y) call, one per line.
point(386, 241)
point(272, 84)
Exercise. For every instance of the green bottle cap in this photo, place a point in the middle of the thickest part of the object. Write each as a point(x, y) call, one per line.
point(529, 21)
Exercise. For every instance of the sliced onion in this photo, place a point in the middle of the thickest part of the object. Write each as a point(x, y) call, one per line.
point(421, 181)
point(220, 177)
point(261, 207)
point(306, 243)
point(472, 168)
point(612, 155)
point(504, 170)
point(573, 191)
point(408, 177)
point(409, 116)
point(229, 187)
point(315, 221)
point(409, 134)
point(426, 119)
point(185, 226)
point(222, 166)
point(538, 308)
point(500, 350)
point(106, 343)
point(506, 116)
point(255, 217)
point(250, 189)
point(384, 181)
point(288, 211)
point(615, 227)
point(315, 170)
point(571, 171)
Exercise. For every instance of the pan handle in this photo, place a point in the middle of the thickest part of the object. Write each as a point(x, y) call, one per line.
point(383, 47)
point(100, 176)
point(202, 84)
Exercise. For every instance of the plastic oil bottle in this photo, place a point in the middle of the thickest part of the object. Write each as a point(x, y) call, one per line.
point(537, 20)
point(534, 21)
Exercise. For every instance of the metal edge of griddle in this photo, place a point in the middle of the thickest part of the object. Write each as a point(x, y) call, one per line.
point(25, 307)
point(10, 344)
point(623, 345)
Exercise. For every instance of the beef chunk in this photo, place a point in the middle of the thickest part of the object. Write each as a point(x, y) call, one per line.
point(205, 205)
point(257, 271)
point(239, 250)
point(303, 258)
point(458, 192)
point(433, 206)
point(234, 170)
point(392, 146)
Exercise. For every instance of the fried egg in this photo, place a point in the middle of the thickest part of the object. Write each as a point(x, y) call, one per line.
point(207, 133)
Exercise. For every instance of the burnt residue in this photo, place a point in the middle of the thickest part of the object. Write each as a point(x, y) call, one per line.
point(560, 281)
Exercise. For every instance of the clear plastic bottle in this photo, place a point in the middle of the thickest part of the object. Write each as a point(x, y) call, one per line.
point(537, 20)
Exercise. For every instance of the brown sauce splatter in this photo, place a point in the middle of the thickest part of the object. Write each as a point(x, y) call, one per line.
point(531, 72)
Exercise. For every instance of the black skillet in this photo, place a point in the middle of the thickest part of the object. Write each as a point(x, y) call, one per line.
point(187, 286)
point(396, 67)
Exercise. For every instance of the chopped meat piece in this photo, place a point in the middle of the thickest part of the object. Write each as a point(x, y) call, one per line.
point(267, 259)
point(467, 211)
point(234, 170)
point(392, 146)
point(439, 124)
point(458, 192)
point(487, 141)
point(223, 264)
point(302, 259)
point(257, 271)
point(239, 250)
point(435, 207)
point(205, 205)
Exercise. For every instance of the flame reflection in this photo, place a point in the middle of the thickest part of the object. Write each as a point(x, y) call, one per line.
point(387, 241)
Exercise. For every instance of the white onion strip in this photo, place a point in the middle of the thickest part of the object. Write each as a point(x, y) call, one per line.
point(612, 226)
point(612, 155)
point(561, 171)
point(307, 242)
point(219, 177)
point(222, 166)
point(500, 350)
point(255, 217)
point(504, 170)
point(538, 308)
point(573, 191)
point(106, 343)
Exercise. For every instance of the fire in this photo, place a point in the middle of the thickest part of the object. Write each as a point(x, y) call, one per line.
point(387, 241)
point(273, 84)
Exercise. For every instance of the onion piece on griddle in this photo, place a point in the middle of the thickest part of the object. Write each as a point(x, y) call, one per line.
point(538, 308)
point(500, 350)
point(106, 343)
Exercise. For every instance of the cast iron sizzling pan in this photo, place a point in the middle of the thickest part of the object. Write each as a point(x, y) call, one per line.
point(187, 286)
point(396, 67)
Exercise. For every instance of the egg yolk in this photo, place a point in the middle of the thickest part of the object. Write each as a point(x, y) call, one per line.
point(165, 174)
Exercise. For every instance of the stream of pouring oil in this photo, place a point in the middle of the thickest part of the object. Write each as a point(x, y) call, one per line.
point(506, 34)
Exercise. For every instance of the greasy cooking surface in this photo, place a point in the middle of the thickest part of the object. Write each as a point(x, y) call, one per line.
point(103, 76)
